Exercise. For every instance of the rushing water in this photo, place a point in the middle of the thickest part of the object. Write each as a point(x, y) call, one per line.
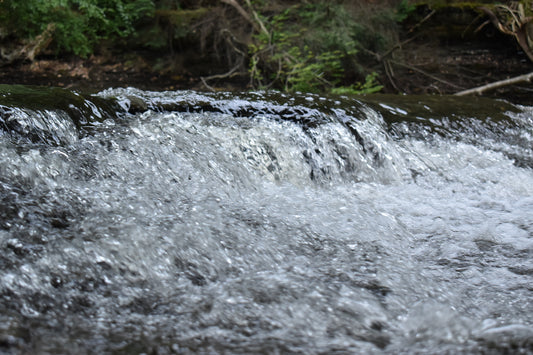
point(179, 222)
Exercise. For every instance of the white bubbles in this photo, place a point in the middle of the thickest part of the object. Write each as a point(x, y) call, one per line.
point(202, 231)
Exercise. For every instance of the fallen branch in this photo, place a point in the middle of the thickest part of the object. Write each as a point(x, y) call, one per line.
point(225, 75)
point(229, 74)
point(31, 49)
point(424, 73)
point(498, 84)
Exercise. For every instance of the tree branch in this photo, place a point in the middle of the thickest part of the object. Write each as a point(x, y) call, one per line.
point(225, 75)
point(240, 10)
point(257, 19)
point(424, 73)
point(518, 28)
point(32, 48)
point(498, 84)
point(256, 22)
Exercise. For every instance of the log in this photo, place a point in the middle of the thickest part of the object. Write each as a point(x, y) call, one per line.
point(497, 84)
point(31, 49)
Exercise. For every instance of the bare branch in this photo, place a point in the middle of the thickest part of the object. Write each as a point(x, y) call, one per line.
point(495, 85)
point(424, 73)
point(422, 21)
point(240, 10)
point(256, 22)
point(210, 88)
point(229, 74)
point(518, 27)
point(257, 19)
point(492, 17)
point(32, 48)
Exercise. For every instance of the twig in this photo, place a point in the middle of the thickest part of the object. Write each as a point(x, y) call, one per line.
point(425, 73)
point(220, 76)
point(241, 11)
point(498, 84)
point(422, 21)
point(379, 57)
point(518, 27)
point(257, 19)
point(233, 39)
point(258, 25)
point(206, 85)
point(390, 74)
point(225, 75)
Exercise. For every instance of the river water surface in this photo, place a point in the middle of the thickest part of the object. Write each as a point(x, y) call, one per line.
point(179, 222)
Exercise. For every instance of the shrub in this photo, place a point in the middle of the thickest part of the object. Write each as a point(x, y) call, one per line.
point(317, 46)
point(79, 24)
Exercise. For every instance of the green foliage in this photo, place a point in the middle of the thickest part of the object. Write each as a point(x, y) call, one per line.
point(368, 87)
point(79, 24)
point(316, 46)
point(403, 10)
point(311, 45)
point(311, 73)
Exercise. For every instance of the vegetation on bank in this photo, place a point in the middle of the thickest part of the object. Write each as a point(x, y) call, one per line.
point(71, 26)
point(337, 46)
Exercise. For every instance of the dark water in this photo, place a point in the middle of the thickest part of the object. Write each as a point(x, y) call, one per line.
point(179, 222)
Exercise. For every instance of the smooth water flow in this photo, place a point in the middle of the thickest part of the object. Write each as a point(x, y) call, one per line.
point(199, 223)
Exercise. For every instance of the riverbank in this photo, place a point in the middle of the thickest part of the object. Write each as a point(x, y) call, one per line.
point(442, 54)
point(434, 69)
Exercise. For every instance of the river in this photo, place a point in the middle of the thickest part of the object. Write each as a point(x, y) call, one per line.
point(262, 223)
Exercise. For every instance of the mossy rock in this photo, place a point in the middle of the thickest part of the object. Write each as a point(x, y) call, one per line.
point(82, 109)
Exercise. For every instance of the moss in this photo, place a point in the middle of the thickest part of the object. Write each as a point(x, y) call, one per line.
point(439, 4)
point(81, 108)
point(182, 17)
